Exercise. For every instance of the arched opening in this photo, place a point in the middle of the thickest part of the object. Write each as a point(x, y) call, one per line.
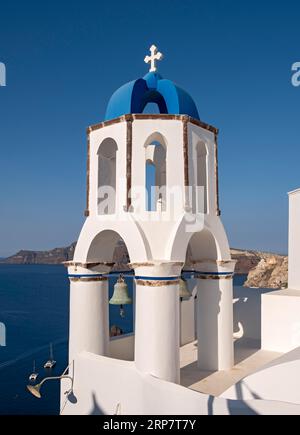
point(109, 247)
point(201, 177)
point(202, 246)
point(200, 314)
point(106, 200)
point(156, 173)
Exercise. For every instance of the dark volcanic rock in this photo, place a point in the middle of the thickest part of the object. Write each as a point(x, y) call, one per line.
point(54, 256)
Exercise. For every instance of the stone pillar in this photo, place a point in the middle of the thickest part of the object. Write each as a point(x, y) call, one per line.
point(157, 319)
point(215, 314)
point(89, 315)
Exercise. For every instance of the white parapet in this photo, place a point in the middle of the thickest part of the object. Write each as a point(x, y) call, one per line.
point(280, 314)
point(294, 239)
point(106, 386)
point(280, 320)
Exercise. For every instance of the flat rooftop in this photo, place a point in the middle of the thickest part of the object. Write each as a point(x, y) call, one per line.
point(248, 359)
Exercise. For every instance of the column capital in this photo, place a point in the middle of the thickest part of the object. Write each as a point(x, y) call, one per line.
point(153, 270)
point(79, 271)
point(214, 269)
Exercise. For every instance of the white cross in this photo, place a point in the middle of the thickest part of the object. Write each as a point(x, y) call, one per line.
point(155, 55)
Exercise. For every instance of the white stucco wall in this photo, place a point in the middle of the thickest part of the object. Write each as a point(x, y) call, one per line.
point(281, 320)
point(118, 133)
point(101, 384)
point(278, 380)
point(122, 347)
point(197, 134)
point(294, 240)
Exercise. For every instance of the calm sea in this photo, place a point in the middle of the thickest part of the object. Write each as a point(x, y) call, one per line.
point(34, 306)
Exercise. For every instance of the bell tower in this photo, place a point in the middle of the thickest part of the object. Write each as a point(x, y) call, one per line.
point(177, 229)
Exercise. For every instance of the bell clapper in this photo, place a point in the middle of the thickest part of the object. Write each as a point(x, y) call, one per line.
point(122, 311)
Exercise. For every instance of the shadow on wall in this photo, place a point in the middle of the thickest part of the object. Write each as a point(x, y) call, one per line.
point(239, 408)
point(234, 407)
point(97, 410)
point(239, 391)
point(247, 312)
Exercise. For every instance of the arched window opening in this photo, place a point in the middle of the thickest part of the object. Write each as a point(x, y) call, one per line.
point(201, 178)
point(106, 199)
point(156, 174)
point(150, 182)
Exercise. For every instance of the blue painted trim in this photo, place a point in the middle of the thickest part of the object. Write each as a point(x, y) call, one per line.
point(86, 276)
point(149, 278)
point(213, 273)
point(158, 278)
point(208, 273)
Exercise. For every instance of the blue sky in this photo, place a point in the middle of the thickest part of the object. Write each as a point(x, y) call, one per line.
point(64, 59)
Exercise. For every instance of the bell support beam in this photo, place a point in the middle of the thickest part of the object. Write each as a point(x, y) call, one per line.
point(89, 315)
point(215, 314)
point(157, 319)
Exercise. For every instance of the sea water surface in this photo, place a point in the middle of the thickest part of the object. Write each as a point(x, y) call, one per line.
point(34, 307)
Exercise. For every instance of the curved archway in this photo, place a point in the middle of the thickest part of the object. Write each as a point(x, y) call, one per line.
point(202, 246)
point(107, 156)
point(181, 236)
point(105, 243)
point(121, 318)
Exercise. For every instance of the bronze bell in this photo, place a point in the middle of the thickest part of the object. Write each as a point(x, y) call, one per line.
point(183, 290)
point(120, 295)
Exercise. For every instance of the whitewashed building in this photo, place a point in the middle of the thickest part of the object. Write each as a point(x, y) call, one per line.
point(177, 229)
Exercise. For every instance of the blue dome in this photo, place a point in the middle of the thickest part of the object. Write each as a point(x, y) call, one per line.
point(134, 96)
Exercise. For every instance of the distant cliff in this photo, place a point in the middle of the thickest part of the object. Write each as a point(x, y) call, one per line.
point(54, 256)
point(271, 272)
point(263, 269)
point(245, 260)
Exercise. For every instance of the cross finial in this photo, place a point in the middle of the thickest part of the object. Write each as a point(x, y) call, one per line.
point(155, 55)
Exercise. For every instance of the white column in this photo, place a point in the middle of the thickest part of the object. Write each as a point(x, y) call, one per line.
point(157, 320)
point(215, 315)
point(89, 315)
